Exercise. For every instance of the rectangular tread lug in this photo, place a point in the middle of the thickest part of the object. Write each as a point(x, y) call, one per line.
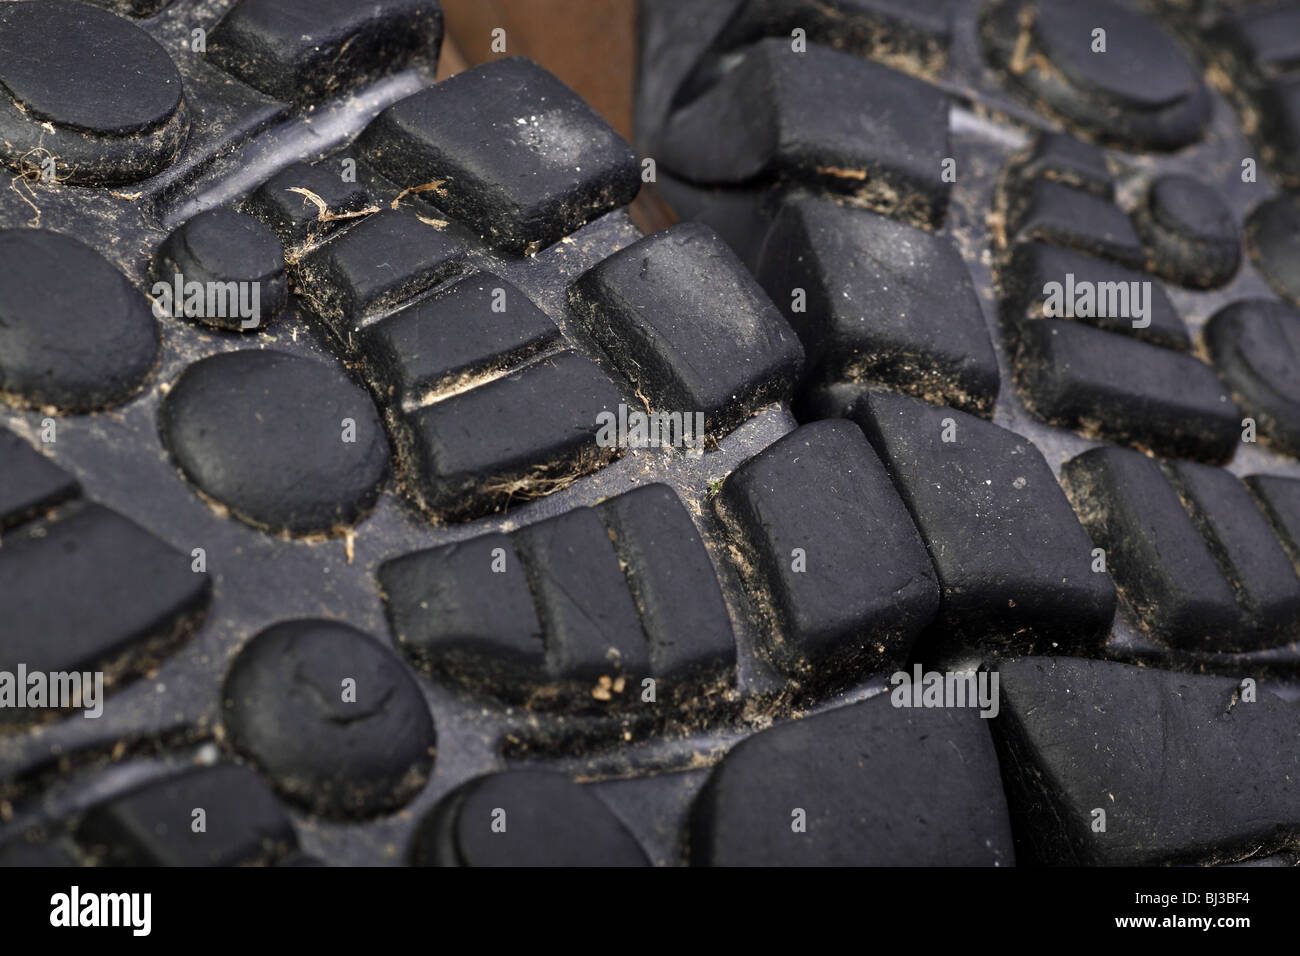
point(1125, 390)
point(1014, 564)
point(693, 331)
point(834, 552)
point(1035, 265)
point(29, 482)
point(1164, 755)
point(1250, 557)
point(383, 259)
point(468, 456)
point(477, 325)
point(1159, 560)
point(588, 616)
point(674, 585)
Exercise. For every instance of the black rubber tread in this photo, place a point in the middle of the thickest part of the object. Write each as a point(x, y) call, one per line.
point(823, 539)
point(654, 307)
point(1271, 237)
point(880, 300)
point(222, 246)
point(287, 705)
point(460, 132)
point(1013, 562)
point(88, 91)
point(1033, 266)
point(862, 778)
point(31, 482)
point(1255, 343)
point(76, 346)
point(1189, 232)
point(306, 53)
point(1054, 203)
point(1144, 92)
point(364, 572)
point(1164, 567)
point(762, 120)
point(1257, 47)
point(562, 824)
point(1134, 742)
point(207, 816)
point(575, 619)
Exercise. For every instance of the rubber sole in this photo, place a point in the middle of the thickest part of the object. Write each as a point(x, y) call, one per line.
point(372, 575)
